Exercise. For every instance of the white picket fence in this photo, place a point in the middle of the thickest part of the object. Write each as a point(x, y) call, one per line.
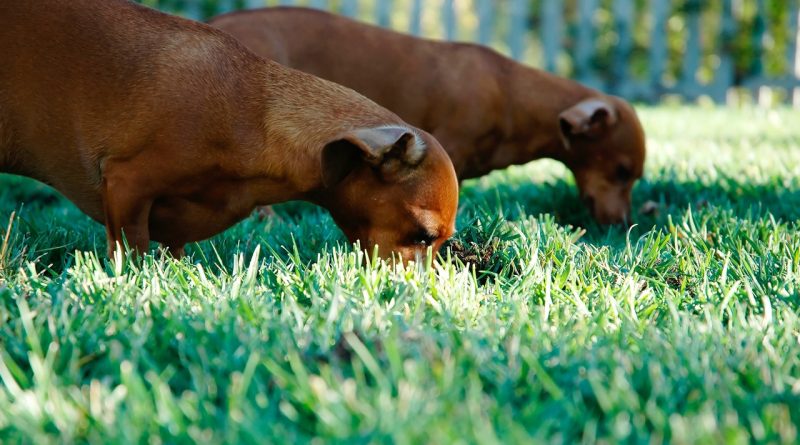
point(632, 39)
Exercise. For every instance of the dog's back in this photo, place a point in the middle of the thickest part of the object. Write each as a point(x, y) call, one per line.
point(83, 78)
point(400, 72)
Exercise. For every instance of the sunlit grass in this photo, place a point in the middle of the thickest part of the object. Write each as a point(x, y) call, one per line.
point(683, 329)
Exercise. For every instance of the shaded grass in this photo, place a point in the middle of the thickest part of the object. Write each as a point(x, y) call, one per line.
point(683, 329)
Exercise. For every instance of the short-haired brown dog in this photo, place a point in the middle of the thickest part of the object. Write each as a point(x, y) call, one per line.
point(169, 130)
point(487, 111)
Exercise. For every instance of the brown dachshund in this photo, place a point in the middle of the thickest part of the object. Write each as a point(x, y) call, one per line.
point(169, 130)
point(487, 111)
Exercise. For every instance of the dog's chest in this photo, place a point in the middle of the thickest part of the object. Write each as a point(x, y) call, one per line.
point(199, 213)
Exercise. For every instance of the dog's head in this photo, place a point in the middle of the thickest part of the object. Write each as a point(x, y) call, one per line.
point(605, 149)
point(393, 187)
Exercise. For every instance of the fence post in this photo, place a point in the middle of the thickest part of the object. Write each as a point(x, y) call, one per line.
point(224, 6)
point(193, 10)
point(383, 12)
point(552, 15)
point(691, 59)
point(793, 51)
point(657, 60)
point(415, 26)
point(518, 28)
point(620, 81)
point(794, 38)
point(584, 43)
point(485, 21)
point(253, 4)
point(349, 8)
point(449, 18)
point(759, 28)
point(723, 81)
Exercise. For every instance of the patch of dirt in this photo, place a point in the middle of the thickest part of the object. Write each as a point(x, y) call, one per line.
point(475, 254)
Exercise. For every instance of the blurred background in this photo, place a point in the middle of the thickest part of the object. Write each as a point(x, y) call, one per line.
point(725, 51)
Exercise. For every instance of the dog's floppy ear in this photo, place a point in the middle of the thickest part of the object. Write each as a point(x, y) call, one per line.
point(590, 118)
point(388, 149)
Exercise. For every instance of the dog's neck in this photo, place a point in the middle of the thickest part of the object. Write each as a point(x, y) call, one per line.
point(534, 100)
point(303, 114)
point(276, 160)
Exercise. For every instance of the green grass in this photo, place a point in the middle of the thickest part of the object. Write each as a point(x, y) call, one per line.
point(684, 329)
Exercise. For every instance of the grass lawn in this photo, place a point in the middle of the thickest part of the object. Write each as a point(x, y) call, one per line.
point(684, 329)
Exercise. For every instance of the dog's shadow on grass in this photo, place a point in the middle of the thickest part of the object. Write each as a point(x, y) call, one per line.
point(50, 228)
point(655, 203)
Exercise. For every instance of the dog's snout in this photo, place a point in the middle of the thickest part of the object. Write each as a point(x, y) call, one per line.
point(608, 211)
point(622, 221)
point(615, 217)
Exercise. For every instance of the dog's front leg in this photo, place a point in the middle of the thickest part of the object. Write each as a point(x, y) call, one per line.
point(127, 210)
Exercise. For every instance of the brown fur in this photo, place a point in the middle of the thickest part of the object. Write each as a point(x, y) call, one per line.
point(167, 129)
point(488, 111)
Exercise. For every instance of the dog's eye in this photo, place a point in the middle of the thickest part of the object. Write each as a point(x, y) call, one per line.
point(623, 174)
point(424, 238)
